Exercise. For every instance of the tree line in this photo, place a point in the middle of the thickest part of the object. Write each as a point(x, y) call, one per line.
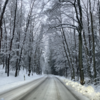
point(20, 38)
point(55, 36)
point(74, 32)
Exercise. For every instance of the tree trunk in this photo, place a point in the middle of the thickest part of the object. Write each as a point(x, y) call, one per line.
point(29, 66)
point(8, 60)
point(80, 60)
point(78, 10)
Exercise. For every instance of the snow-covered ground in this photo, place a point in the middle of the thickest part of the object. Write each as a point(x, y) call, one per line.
point(90, 91)
point(7, 83)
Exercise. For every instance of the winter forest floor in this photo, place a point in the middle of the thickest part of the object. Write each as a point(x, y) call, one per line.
point(8, 83)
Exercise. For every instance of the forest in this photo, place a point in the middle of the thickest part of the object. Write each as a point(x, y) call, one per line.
point(60, 37)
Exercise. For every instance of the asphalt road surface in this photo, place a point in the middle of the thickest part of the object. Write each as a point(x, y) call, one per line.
point(49, 88)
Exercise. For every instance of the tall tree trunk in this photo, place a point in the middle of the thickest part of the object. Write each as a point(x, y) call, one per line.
point(80, 60)
point(16, 71)
point(8, 66)
point(80, 29)
point(29, 66)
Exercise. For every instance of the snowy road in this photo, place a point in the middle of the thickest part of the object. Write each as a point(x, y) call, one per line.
point(50, 89)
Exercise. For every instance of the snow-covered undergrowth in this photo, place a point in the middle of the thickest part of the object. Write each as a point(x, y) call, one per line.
point(7, 83)
point(88, 91)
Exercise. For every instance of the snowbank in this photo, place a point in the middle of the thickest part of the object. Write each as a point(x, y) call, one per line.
point(8, 83)
point(87, 91)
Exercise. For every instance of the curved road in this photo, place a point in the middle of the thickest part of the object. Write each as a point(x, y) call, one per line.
point(50, 89)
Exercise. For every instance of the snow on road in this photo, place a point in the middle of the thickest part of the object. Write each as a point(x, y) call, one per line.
point(87, 91)
point(8, 83)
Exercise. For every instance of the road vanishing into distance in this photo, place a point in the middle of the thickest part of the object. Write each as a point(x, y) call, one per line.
point(47, 88)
